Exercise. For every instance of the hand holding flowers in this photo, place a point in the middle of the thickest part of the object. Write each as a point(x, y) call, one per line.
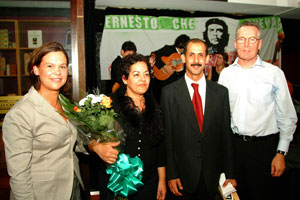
point(106, 151)
point(97, 126)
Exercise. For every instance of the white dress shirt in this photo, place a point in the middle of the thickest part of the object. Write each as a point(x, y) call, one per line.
point(201, 88)
point(260, 101)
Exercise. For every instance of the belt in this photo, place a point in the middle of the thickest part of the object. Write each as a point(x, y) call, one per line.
point(247, 138)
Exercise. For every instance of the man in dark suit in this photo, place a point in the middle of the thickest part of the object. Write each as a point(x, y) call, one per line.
point(197, 154)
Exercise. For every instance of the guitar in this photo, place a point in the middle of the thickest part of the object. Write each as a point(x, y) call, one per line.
point(275, 61)
point(172, 62)
point(115, 87)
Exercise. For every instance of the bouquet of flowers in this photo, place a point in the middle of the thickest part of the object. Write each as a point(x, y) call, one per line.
point(96, 120)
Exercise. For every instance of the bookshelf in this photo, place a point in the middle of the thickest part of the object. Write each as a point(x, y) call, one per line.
point(16, 44)
point(15, 48)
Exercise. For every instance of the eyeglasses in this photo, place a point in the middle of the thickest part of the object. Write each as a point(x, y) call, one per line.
point(242, 40)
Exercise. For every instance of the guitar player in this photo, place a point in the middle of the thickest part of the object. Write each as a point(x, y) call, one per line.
point(128, 48)
point(167, 65)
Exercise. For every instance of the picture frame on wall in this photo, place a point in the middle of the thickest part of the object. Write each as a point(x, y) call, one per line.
point(35, 38)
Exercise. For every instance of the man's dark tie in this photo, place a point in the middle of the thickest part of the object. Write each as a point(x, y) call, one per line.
point(197, 102)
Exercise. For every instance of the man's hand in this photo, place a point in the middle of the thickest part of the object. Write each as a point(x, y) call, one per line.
point(232, 181)
point(174, 185)
point(105, 151)
point(278, 165)
point(168, 68)
point(152, 60)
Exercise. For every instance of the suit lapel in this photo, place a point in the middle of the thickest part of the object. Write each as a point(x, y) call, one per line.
point(185, 103)
point(210, 106)
point(53, 114)
point(45, 108)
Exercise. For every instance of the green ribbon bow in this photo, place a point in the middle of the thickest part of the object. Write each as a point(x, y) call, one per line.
point(126, 175)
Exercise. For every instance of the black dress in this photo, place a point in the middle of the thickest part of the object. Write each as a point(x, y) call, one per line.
point(214, 74)
point(144, 138)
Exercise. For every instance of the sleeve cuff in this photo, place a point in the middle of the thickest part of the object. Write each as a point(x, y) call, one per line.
point(283, 145)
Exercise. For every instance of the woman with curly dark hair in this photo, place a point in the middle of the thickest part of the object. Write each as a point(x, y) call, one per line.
point(141, 119)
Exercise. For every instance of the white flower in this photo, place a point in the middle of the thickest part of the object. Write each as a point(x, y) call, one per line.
point(81, 102)
point(97, 99)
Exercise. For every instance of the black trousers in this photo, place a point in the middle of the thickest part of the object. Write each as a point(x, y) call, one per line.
point(201, 193)
point(253, 167)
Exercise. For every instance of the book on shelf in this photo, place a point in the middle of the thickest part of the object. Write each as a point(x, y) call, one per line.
point(11, 69)
point(26, 61)
point(2, 66)
point(35, 38)
point(3, 43)
point(4, 39)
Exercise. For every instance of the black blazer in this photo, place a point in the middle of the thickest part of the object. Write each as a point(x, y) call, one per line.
point(188, 151)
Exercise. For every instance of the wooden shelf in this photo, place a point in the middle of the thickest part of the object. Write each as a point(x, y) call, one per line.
point(7, 49)
point(52, 30)
point(8, 76)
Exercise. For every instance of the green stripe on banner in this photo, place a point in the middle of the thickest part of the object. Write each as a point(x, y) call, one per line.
point(267, 22)
point(148, 22)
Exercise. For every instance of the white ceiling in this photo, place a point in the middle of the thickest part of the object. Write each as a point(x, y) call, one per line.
point(282, 8)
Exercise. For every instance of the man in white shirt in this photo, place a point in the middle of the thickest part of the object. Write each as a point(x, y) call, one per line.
point(261, 107)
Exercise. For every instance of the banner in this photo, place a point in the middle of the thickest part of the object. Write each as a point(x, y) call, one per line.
point(150, 33)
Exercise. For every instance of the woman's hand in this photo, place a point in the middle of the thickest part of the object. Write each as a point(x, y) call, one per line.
point(105, 151)
point(161, 190)
point(162, 187)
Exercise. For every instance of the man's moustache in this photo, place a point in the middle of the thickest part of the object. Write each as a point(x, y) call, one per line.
point(197, 64)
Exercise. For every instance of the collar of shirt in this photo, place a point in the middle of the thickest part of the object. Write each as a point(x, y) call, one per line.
point(178, 51)
point(201, 88)
point(258, 63)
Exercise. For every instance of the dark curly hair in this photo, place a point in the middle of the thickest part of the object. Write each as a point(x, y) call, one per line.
point(225, 57)
point(128, 46)
point(181, 40)
point(130, 60)
point(36, 59)
point(151, 118)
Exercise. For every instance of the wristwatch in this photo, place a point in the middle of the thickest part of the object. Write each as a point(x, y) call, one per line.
point(281, 152)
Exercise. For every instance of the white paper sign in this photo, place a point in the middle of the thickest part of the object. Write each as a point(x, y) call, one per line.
point(34, 38)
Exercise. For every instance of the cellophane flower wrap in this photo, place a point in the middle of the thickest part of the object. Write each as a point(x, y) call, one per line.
point(96, 120)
